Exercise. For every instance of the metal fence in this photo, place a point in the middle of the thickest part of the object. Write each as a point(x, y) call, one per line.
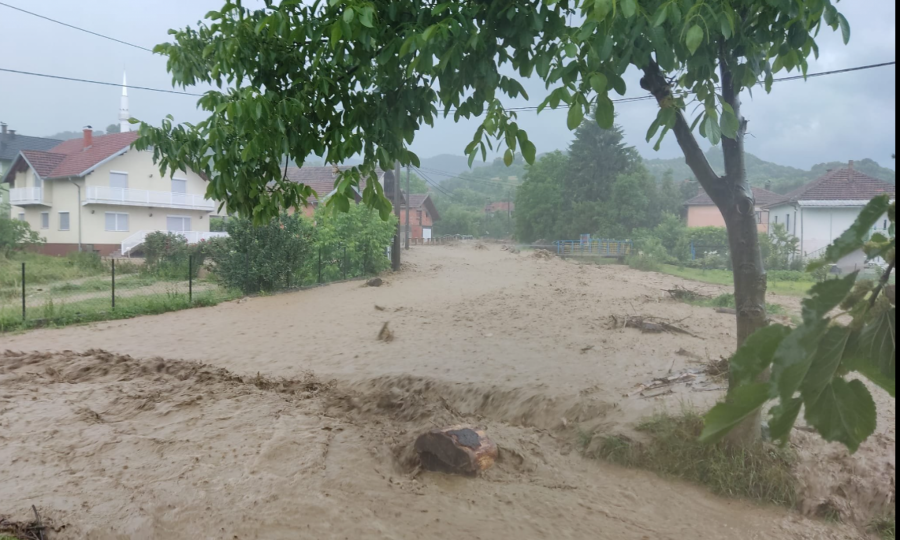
point(596, 247)
point(42, 290)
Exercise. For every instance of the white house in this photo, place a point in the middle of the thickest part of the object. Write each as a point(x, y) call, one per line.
point(820, 211)
point(97, 193)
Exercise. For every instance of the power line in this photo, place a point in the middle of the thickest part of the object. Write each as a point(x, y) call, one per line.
point(483, 182)
point(434, 184)
point(76, 27)
point(74, 79)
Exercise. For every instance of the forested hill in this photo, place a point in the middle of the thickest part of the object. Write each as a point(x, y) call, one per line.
point(759, 172)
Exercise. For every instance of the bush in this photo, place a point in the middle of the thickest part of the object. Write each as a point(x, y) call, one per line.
point(15, 235)
point(648, 256)
point(168, 255)
point(789, 275)
point(352, 243)
point(261, 258)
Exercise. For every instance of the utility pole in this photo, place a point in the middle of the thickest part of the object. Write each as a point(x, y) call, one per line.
point(508, 211)
point(395, 247)
point(407, 207)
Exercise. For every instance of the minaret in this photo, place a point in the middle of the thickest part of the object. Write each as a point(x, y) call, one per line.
point(124, 115)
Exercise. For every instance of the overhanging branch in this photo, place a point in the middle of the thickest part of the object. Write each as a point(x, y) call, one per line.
point(654, 82)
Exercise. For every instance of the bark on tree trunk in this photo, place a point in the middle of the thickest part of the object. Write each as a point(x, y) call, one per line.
point(734, 198)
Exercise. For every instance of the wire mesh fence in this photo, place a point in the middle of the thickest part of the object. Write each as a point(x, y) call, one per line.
point(42, 290)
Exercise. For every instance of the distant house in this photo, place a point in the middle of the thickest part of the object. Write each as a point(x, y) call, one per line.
point(500, 207)
point(703, 212)
point(422, 215)
point(11, 143)
point(321, 180)
point(99, 194)
point(823, 209)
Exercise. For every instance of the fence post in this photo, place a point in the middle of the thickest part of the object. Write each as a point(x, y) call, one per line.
point(113, 261)
point(190, 279)
point(23, 291)
point(344, 262)
point(320, 265)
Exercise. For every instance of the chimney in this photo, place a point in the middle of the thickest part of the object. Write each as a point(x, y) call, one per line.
point(88, 137)
point(768, 185)
point(3, 127)
point(850, 165)
point(12, 134)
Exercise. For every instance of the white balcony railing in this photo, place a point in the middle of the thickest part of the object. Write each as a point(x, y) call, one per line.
point(27, 195)
point(145, 197)
point(192, 237)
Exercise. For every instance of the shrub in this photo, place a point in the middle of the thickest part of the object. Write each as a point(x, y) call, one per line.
point(649, 254)
point(15, 235)
point(352, 243)
point(262, 258)
point(168, 255)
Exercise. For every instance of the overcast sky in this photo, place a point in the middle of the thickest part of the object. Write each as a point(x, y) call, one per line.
point(833, 118)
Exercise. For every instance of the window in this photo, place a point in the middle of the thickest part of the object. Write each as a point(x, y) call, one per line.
point(776, 219)
point(22, 217)
point(116, 222)
point(759, 217)
point(118, 180)
point(179, 185)
point(419, 216)
point(45, 220)
point(64, 221)
point(178, 223)
point(787, 222)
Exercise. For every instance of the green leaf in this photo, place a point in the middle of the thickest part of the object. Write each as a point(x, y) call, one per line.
point(576, 115)
point(508, 157)
point(756, 353)
point(854, 237)
point(793, 357)
point(783, 417)
point(605, 112)
point(660, 16)
point(825, 362)
point(527, 147)
point(365, 16)
point(845, 412)
point(729, 124)
point(725, 25)
point(629, 7)
point(872, 351)
point(740, 403)
point(336, 33)
point(845, 28)
point(654, 127)
point(694, 38)
point(349, 15)
point(825, 296)
point(598, 82)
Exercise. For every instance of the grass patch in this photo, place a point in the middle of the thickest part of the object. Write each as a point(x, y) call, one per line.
point(761, 474)
point(724, 300)
point(55, 313)
point(885, 527)
point(725, 277)
point(41, 269)
point(105, 284)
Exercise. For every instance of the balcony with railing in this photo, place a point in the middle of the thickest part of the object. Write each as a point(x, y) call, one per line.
point(28, 196)
point(145, 197)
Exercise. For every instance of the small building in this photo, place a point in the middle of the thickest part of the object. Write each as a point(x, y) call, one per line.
point(819, 212)
point(703, 212)
point(504, 207)
point(422, 215)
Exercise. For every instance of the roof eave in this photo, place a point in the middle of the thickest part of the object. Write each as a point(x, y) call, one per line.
point(13, 166)
point(104, 161)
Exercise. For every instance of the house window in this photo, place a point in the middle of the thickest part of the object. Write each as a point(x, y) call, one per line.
point(179, 185)
point(178, 223)
point(759, 217)
point(776, 220)
point(116, 222)
point(22, 217)
point(118, 180)
point(45, 220)
point(64, 221)
point(419, 216)
point(787, 222)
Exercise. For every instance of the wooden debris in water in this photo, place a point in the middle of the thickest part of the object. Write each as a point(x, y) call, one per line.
point(456, 449)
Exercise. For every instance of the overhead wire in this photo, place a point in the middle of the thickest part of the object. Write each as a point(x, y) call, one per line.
point(4, 4)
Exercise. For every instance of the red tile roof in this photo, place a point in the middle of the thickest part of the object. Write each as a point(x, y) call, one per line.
point(71, 158)
point(417, 200)
point(839, 185)
point(762, 196)
point(321, 179)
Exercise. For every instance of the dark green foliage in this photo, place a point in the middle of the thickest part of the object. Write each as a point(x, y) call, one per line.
point(597, 157)
point(168, 255)
point(258, 258)
point(350, 243)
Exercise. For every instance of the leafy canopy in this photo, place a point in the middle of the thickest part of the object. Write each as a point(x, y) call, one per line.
point(343, 78)
point(810, 363)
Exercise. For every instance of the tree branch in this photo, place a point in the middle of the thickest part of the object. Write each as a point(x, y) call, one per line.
point(654, 82)
point(733, 149)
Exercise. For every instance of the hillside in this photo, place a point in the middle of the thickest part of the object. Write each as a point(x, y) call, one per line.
point(759, 171)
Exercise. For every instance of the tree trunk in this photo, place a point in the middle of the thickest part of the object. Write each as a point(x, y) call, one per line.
point(734, 198)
